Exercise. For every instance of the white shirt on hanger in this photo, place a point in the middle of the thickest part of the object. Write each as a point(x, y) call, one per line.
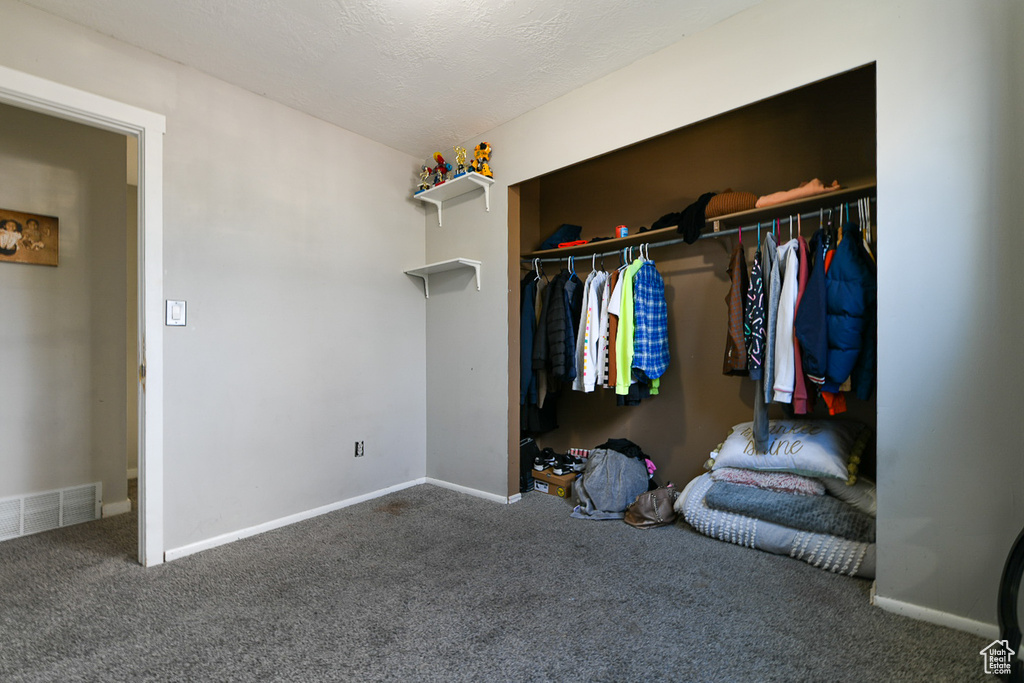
point(785, 362)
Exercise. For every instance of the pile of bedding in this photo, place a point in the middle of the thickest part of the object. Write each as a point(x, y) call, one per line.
point(801, 497)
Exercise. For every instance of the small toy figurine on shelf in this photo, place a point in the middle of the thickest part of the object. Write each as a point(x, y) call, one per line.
point(441, 169)
point(424, 179)
point(460, 161)
point(481, 159)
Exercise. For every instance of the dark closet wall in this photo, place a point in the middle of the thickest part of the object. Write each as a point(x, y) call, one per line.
point(825, 130)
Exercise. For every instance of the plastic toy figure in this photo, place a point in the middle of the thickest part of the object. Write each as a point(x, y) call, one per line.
point(460, 161)
point(481, 159)
point(441, 169)
point(424, 179)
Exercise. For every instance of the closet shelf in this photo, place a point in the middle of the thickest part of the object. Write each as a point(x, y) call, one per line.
point(455, 187)
point(424, 272)
point(729, 221)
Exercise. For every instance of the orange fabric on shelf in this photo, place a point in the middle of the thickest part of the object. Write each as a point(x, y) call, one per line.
point(805, 189)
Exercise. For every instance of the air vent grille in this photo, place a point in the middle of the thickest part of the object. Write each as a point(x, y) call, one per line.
point(42, 512)
point(35, 512)
point(10, 518)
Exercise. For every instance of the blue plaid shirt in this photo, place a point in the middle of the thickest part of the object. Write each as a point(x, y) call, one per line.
point(650, 335)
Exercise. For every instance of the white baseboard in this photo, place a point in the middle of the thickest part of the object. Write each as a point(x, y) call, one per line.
point(192, 548)
point(118, 508)
point(494, 497)
point(515, 498)
point(934, 616)
point(133, 473)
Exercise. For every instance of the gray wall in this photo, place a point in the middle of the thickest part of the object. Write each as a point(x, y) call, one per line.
point(63, 386)
point(288, 237)
point(949, 433)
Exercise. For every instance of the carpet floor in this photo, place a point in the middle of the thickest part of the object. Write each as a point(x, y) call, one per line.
point(431, 585)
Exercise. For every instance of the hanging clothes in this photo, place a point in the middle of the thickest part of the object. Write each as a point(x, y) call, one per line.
point(564, 300)
point(580, 329)
point(589, 332)
point(541, 355)
point(847, 281)
point(773, 291)
point(604, 323)
point(811, 319)
point(784, 365)
point(754, 319)
point(735, 362)
point(627, 322)
point(650, 333)
point(865, 370)
point(801, 397)
point(614, 307)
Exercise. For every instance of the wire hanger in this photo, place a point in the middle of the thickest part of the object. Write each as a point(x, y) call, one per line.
point(864, 209)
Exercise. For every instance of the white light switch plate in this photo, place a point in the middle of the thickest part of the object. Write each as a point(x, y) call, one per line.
point(176, 313)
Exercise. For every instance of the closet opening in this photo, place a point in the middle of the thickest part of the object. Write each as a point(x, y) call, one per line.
point(825, 130)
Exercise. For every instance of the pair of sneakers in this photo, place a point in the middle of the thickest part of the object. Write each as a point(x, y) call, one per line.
point(568, 464)
point(559, 463)
point(544, 460)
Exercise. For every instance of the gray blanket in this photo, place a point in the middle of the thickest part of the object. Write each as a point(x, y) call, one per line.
point(818, 514)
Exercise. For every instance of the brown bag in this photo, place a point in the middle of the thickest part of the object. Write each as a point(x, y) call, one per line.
point(652, 508)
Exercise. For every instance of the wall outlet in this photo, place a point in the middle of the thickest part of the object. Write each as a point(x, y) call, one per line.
point(360, 451)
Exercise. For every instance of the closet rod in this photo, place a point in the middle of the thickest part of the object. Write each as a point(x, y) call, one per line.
point(680, 240)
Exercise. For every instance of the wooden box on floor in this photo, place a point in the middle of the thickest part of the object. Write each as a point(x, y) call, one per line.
point(555, 484)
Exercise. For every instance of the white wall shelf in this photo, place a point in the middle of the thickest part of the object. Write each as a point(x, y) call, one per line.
point(455, 187)
point(424, 272)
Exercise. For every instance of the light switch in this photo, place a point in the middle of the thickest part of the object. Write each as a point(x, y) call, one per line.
point(175, 313)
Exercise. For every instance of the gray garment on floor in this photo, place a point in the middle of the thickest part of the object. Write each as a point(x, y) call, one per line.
point(609, 484)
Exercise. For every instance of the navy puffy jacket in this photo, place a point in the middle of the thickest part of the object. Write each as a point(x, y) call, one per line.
point(847, 282)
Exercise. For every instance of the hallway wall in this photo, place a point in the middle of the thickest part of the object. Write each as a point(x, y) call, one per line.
point(62, 335)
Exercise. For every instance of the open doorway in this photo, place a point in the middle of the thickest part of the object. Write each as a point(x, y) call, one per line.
point(30, 93)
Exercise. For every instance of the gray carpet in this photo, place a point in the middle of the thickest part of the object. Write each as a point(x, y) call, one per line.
point(431, 585)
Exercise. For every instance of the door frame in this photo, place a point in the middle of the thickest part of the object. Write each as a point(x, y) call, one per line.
point(54, 99)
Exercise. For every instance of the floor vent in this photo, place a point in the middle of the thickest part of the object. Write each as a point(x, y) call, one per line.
point(35, 512)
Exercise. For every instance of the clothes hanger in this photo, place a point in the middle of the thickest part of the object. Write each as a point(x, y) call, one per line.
point(790, 226)
point(864, 209)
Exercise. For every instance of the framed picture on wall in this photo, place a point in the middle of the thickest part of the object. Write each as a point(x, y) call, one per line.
point(28, 238)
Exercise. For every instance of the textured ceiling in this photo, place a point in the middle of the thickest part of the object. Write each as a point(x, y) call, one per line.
point(416, 75)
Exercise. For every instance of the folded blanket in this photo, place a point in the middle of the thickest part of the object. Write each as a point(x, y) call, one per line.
point(783, 482)
point(826, 552)
point(820, 514)
point(805, 189)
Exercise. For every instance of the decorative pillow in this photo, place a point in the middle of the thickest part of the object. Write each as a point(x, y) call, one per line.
point(861, 494)
point(814, 448)
point(780, 482)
